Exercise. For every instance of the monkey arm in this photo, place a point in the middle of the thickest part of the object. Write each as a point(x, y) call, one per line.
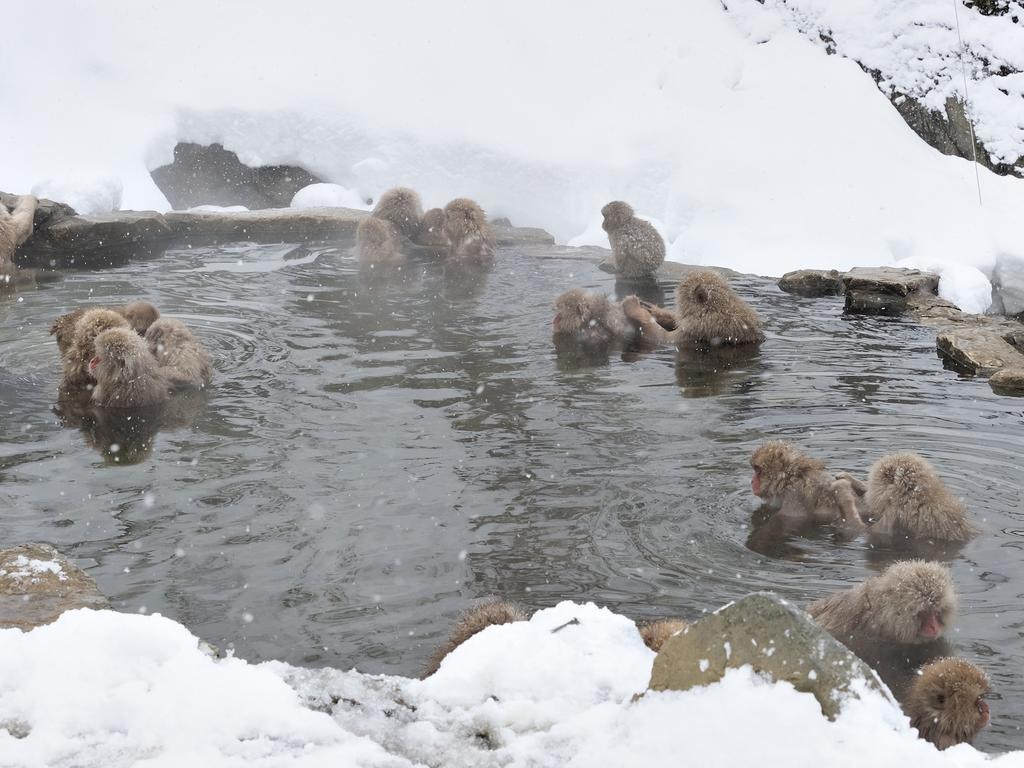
point(859, 486)
point(642, 319)
point(666, 318)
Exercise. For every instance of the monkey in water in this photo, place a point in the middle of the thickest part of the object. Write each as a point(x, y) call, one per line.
point(16, 227)
point(590, 319)
point(402, 209)
point(377, 246)
point(179, 354)
point(655, 633)
point(906, 501)
point(139, 314)
point(470, 236)
point(945, 703)
point(909, 603)
point(475, 620)
point(432, 231)
point(126, 373)
point(798, 487)
point(81, 349)
point(637, 248)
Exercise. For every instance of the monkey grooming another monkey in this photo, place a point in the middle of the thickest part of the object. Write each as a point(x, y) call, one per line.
point(81, 350)
point(589, 318)
point(945, 702)
point(474, 620)
point(402, 209)
point(910, 602)
point(655, 633)
point(637, 248)
point(139, 314)
point(178, 353)
point(906, 500)
point(471, 237)
point(797, 486)
point(377, 246)
point(711, 313)
point(16, 227)
point(127, 375)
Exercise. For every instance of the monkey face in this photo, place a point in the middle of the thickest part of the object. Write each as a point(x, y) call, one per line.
point(581, 316)
point(946, 702)
point(912, 602)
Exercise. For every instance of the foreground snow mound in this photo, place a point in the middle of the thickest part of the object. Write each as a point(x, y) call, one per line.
point(109, 689)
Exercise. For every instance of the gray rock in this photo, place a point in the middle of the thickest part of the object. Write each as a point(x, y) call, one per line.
point(102, 240)
point(776, 639)
point(37, 584)
point(1008, 381)
point(885, 290)
point(813, 282)
point(980, 351)
point(506, 236)
point(47, 211)
point(212, 175)
point(274, 225)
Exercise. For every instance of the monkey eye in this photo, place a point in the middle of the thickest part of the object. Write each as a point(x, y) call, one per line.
point(940, 699)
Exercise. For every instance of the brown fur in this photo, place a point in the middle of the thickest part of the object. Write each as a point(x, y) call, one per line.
point(590, 318)
point(907, 500)
point(180, 355)
point(711, 313)
point(127, 375)
point(471, 237)
point(656, 633)
point(16, 227)
point(637, 248)
point(431, 233)
point(798, 486)
point(472, 621)
point(945, 702)
point(377, 245)
point(400, 207)
point(139, 314)
point(82, 347)
point(890, 606)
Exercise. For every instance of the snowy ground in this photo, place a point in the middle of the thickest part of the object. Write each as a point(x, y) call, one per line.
point(732, 128)
point(107, 689)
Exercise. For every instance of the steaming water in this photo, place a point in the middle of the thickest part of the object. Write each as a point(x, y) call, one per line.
point(371, 459)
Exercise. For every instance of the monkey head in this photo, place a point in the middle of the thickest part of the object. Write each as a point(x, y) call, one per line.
point(776, 465)
point(432, 229)
point(92, 324)
point(616, 214)
point(905, 472)
point(463, 217)
point(946, 702)
point(118, 350)
point(140, 315)
point(911, 602)
point(583, 315)
point(402, 208)
point(705, 288)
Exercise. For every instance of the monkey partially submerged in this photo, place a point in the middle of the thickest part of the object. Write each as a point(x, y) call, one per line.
point(470, 237)
point(402, 209)
point(474, 620)
point(637, 248)
point(127, 375)
point(81, 340)
point(377, 247)
point(139, 314)
point(945, 702)
point(180, 355)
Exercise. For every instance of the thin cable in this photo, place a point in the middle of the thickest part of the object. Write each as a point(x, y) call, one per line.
point(967, 100)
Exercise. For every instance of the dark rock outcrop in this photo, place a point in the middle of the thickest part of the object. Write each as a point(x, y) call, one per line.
point(813, 282)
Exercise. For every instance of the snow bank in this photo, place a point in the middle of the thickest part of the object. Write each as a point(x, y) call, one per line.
point(753, 148)
point(109, 689)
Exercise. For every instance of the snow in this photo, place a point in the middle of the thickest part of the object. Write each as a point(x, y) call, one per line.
point(317, 195)
point(99, 688)
point(30, 569)
point(730, 126)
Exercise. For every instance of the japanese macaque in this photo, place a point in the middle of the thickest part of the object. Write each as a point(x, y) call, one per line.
point(471, 237)
point(432, 231)
point(945, 702)
point(377, 246)
point(910, 602)
point(710, 313)
point(126, 373)
point(906, 500)
point(81, 350)
point(637, 248)
point(590, 319)
point(400, 207)
point(797, 486)
point(472, 621)
point(180, 355)
point(16, 226)
point(655, 633)
point(139, 314)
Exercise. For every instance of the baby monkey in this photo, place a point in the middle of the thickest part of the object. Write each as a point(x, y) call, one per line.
point(126, 373)
point(377, 246)
point(475, 620)
point(432, 231)
point(798, 486)
point(910, 602)
point(637, 248)
point(945, 703)
point(139, 314)
point(180, 355)
point(589, 318)
point(81, 347)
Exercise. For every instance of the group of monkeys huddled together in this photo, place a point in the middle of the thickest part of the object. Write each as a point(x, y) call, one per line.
point(127, 356)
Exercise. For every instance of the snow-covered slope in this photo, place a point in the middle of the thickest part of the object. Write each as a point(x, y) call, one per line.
point(752, 147)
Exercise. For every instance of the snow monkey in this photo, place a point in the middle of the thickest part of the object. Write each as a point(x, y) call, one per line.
point(909, 603)
point(590, 318)
point(180, 355)
point(637, 248)
point(796, 485)
point(945, 702)
point(711, 313)
point(471, 238)
point(655, 633)
point(400, 207)
point(81, 348)
point(16, 227)
point(139, 314)
point(127, 374)
point(432, 232)
point(907, 500)
point(377, 245)
point(472, 621)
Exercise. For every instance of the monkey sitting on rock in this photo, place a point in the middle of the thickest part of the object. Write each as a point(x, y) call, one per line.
point(637, 248)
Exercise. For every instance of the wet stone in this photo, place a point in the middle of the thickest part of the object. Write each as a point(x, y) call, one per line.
point(885, 290)
point(812, 283)
point(1008, 381)
point(776, 639)
point(978, 351)
point(272, 225)
point(37, 584)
